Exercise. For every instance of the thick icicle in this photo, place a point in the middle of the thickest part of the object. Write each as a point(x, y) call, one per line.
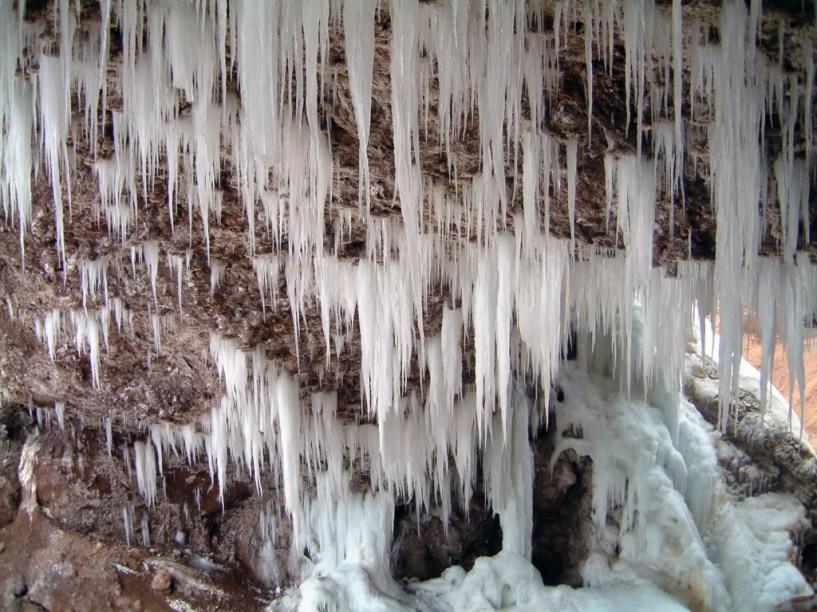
point(588, 68)
point(54, 125)
point(358, 30)
point(768, 293)
point(572, 146)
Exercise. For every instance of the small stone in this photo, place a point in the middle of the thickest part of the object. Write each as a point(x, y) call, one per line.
point(161, 582)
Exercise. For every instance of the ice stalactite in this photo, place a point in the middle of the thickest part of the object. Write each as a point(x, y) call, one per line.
point(792, 177)
point(176, 265)
point(217, 270)
point(572, 145)
point(587, 13)
point(54, 121)
point(768, 291)
point(93, 279)
point(798, 299)
point(508, 476)
point(17, 122)
point(531, 172)
point(677, 100)
point(355, 538)
point(267, 270)
point(16, 156)
point(636, 215)
point(91, 329)
point(48, 329)
point(146, 476)
point(358, 29)
point(735, 171)
point(638, 21)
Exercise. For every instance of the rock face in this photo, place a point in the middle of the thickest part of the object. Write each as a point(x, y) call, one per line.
point(186, 204)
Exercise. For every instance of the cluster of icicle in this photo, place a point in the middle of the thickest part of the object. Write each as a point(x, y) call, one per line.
point(517, 292)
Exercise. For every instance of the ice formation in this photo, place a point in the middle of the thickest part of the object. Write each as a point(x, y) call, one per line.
point(516, 294)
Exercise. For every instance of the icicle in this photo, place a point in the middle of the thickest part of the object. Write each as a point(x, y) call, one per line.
point(484, 321)
point(793, 322)
point(636, 215)
point(664, 142)
point(145, 530)
point(572, 146)
point(54, 125)
point(768, 293)
point(16, 158)
point(637, 34)
point(677, 91)
point(267, 270)
point(289, 421)
point(127, 520)
point(735, 155)
point(588, 68)
point(793, 196)
point(514, 297)
point(87, 330)
point(93, 278)
point(59, 410)
point(552, 175)
point(531, 170)
point(217, 269)
point(508, 475)
point(504, 293)
point(48, 331)
point(609, 180)
point(451, 352)
point(145, 462)
point(358, 28)
point(156, 325)
point(175, 264)
point(108, 435)
point(150, 253)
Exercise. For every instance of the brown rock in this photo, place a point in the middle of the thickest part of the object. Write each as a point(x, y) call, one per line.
point(162, 582)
